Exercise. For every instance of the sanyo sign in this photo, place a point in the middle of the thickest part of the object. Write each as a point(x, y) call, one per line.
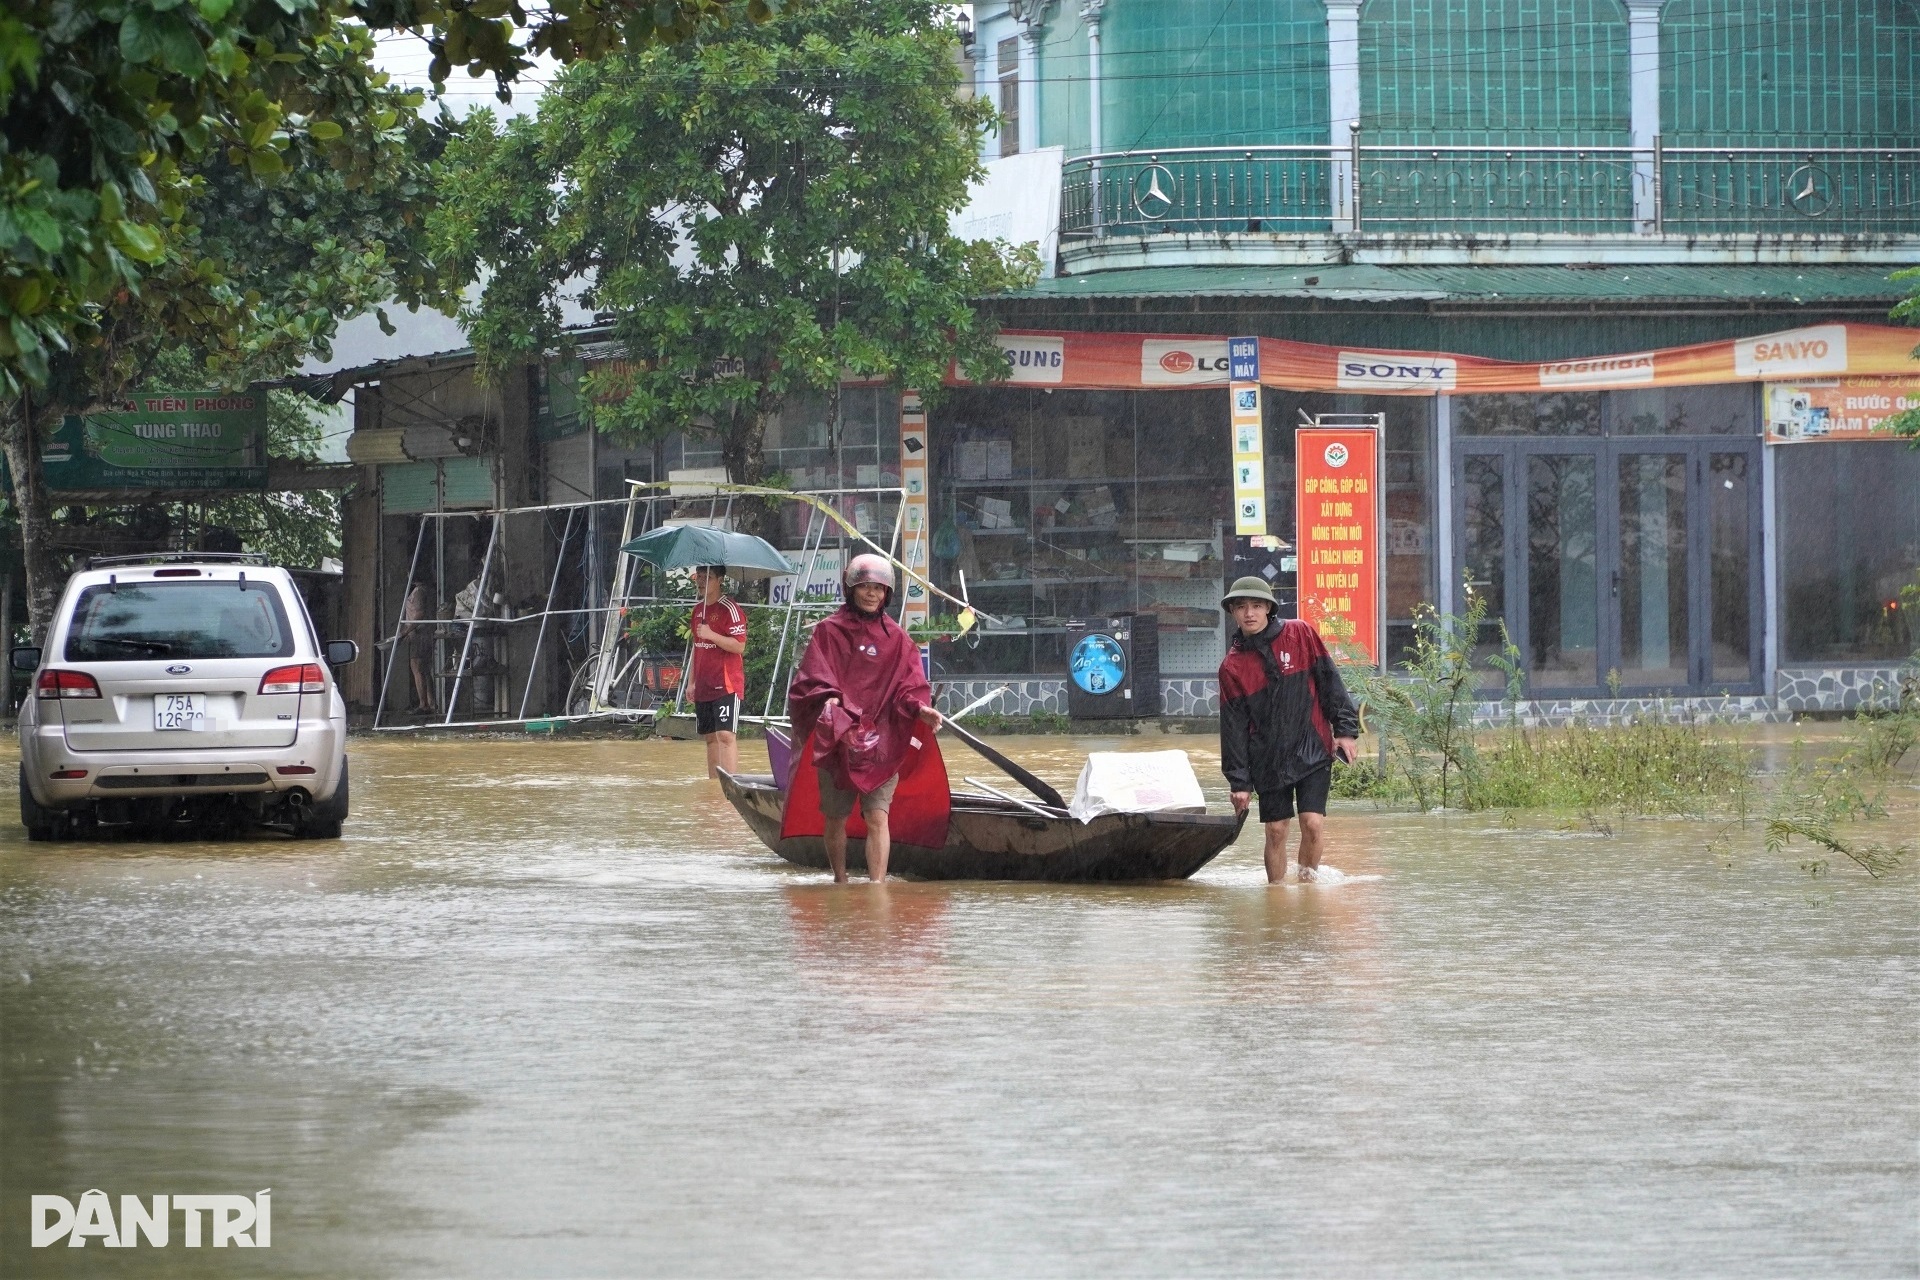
point(243, 1222)
point(1819, 349)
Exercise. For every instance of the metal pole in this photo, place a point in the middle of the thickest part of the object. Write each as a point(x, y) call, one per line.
point(1353, 174)
point(609, 633)
point(533, 663)
point(810, 543)
point(393, 652)
point(473, 619)
point(1659, 181)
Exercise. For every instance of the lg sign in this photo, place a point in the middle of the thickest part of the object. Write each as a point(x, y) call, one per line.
point(1197, 362)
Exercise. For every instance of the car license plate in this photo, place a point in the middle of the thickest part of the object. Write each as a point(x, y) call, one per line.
point(180, 711)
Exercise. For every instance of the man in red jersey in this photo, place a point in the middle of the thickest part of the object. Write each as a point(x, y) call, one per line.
point(719, 670)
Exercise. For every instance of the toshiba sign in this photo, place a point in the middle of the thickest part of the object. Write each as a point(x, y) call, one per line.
point(1173, 363)
point(1602, 371)
point(1819, 349)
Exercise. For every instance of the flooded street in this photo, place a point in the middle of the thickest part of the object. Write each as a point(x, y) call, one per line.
point(550, 1010)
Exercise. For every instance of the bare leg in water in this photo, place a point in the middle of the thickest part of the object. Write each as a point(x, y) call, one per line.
point(1310, 844)
point(1276, 851)
point(879, 846)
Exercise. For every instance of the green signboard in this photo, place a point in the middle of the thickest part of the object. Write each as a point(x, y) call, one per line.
point(172, 441)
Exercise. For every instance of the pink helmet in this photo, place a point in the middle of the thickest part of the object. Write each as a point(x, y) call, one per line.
point(869, 568)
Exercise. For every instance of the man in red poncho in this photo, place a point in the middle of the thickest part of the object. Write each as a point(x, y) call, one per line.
point(857, 704)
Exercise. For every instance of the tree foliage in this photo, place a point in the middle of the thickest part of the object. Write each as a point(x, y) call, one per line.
point(1907, 311)
point(247, 266)
point(758, 211)
point(109, 102)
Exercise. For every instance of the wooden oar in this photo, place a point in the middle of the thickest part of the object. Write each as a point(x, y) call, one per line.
point(1006, 766)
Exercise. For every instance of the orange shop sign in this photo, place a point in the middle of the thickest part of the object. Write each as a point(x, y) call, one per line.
point(1337, 533)
point(1836, 408)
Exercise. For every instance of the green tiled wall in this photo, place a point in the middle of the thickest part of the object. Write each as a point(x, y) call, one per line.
point(1201, 73)
point(1064, 88)
point(1494, 72)
point(1761, 73)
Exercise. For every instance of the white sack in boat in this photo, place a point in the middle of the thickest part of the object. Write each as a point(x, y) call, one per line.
point(1136, 782)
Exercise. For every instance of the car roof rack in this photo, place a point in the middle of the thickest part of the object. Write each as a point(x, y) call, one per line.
point(173, 557)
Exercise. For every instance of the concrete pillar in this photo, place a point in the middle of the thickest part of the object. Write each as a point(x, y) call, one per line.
point(1643, 79)
point(1032, 17)
point(1343, 103)
point(1090, 13)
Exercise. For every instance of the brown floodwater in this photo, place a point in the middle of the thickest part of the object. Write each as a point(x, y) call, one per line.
point(550, 1010)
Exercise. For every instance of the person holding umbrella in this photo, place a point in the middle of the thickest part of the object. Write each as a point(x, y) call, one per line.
point(1285, 716)
point(719, 674)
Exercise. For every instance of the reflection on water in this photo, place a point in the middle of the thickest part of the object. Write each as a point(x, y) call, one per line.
point(550, 1010)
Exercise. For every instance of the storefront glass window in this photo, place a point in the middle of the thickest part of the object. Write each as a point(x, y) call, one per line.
point(1569, 413)
point(1069, 505)
point(1849, 540)
point(1685, 411)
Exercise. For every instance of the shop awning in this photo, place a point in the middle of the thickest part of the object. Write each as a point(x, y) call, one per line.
point(1600, 284)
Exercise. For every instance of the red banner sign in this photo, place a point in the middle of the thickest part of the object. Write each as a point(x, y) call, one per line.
point(1336, 517)
point(1103, 361)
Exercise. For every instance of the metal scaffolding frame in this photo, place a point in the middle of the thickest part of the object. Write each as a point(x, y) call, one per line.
point(646, 506)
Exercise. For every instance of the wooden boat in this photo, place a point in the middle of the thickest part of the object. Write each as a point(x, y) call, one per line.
point(996, 839)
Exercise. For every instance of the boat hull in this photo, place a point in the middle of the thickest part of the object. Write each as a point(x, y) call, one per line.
point(990, 839)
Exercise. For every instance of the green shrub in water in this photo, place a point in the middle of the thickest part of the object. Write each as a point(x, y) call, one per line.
point(1424, 711)
point(1652, 765)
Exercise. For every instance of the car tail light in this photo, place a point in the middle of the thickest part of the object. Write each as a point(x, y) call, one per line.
point(67, 684)
point(305, 677)
point(69, 773)
point(293, 769)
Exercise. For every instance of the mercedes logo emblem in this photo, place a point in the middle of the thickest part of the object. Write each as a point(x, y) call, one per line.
point(1153, 192)
point(1810, 190)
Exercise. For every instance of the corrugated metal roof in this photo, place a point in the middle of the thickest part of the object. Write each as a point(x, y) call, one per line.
point(1365, 282)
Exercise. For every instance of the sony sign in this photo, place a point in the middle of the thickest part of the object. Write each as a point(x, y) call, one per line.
point(1396, 371)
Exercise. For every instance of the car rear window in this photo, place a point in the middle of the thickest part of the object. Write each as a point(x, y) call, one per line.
point(138, 622)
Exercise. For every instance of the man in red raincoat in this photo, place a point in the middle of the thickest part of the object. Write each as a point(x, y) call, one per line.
point(857, 704)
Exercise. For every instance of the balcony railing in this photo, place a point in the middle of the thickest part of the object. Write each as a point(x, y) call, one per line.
point(1567, 190)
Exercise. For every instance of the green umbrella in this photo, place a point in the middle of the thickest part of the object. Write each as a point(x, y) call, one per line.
point(684, 546)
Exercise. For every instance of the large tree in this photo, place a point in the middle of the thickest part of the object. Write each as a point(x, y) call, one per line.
point(101, 100)
point(155, 155)
point(758, 211)
point(250, 266)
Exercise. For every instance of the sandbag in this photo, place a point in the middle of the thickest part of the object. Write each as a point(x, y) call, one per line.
point(1136, 782)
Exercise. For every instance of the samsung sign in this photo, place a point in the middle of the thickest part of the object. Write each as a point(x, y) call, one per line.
point(1035, 360)
point(1381, 371)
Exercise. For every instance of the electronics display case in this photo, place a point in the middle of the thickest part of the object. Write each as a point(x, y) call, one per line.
point(1063, 506)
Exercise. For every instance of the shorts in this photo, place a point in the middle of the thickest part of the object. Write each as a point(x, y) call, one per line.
point(719, 716)
point(1307, 795)
point(835, 803)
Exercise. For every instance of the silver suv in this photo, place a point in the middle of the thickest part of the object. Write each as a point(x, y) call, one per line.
point(184, 692)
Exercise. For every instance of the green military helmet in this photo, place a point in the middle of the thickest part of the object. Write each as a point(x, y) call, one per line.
point(1249, 588)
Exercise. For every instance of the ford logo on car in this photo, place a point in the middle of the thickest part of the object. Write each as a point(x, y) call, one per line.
point(179, 669)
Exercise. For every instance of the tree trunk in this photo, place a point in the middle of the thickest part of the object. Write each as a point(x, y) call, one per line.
point(743, 450)
point(20, 435)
